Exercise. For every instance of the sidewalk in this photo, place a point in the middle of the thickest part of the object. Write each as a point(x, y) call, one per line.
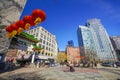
point(57, 73)
point(52, 73)
point(109, 73)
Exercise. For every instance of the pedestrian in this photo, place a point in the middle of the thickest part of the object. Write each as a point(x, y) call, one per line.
point(71, 68)
point(115, 65)
point(68, 66)
point(95, 64)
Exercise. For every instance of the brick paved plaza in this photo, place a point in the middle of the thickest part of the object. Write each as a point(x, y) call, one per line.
point(60, 73)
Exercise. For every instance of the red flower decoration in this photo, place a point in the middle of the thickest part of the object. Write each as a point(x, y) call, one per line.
point(28, 19)
point(37, 13)
point(9, 29)
point(20, 23)
point(14, 26)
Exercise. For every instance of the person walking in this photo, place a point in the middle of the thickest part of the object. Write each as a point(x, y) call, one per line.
point(95, 64)
point(72, 67)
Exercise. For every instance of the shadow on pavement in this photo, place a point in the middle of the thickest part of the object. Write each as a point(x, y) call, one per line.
point(23, 76)
point(109, 70)
point(2, 70)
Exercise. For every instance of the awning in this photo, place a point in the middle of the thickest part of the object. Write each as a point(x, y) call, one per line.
point(81, 57)
point(29, 37)
point(35, 47)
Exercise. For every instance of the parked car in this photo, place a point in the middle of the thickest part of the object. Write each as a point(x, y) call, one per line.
point(118, 64)
point(107, 64)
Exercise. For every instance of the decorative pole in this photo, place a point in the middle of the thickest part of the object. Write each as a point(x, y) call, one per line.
point(33, 57)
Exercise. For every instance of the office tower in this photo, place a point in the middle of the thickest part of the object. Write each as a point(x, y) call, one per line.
point(115, 41)
point(71, 43)
point(47, 41)
point(116, 44)
point(85, 40)
point(101, 40)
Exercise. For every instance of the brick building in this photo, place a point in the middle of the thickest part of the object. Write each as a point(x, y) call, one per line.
point(72, 54)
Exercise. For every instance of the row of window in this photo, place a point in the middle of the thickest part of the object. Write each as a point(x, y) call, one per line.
point(36, 30)
point(46, 54)
point(44, 37)
point(46, 48)
point(46, 43)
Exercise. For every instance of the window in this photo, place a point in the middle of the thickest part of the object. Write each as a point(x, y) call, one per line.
point(47, 43)
point(43, 41)
point(41, 35)
point(42, 29)
point(49, 49)
point(47, 38)
point(43, 46)
point(0, 57)
point(46, 48)
point(51, 54)
point(31, 31)
point(40, 45)
point(40, 40)
point(44, 37)
point(36, 34)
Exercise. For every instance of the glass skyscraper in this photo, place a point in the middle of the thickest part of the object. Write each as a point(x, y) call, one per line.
point(101, 40)
point(85, 40)
point(71, 43)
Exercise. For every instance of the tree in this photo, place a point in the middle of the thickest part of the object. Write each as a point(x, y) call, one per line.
point(90, 54)
point(61, 57)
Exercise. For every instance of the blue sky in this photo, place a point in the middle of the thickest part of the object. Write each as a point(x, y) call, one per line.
point(64, 16)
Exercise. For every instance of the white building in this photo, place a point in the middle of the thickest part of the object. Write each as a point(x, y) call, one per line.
point(47, 41)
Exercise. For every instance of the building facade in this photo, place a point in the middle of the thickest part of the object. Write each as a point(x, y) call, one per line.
point(101, 40)
point(86, 43)
point(73, 54)
point(47, 41)
point(116, 44)
point(4, 44)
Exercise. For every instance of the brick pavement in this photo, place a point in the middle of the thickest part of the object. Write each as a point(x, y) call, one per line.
point(79, 74)
point(109, 73)
point(57, 73)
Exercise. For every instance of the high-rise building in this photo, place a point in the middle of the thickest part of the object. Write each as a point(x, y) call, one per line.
point(101, 41)
point(116, 44)
point(71, 43)
point(85, 40)
point(47, 41)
